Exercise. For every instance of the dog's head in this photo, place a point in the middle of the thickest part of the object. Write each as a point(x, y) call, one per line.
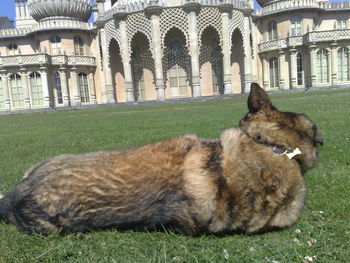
point(286, 131)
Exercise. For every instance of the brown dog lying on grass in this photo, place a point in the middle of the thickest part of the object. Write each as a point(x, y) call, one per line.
point(249, 180)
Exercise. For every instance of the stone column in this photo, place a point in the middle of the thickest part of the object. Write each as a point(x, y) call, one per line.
point(26, 91)
point(293, 69)
point(45, 87)
point(226, 50)
point(312, 54)
point(5, 86)
point(265, 68)
point(108, 95)
point(247, 56)
point(334, 63)
point(157, 51)
point(75, 92)
point(282, 69)
point(126, 62)
point(92, 87)
point(194, 50)
point(64, 86)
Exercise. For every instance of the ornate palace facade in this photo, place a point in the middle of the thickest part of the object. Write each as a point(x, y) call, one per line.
point(161, 49)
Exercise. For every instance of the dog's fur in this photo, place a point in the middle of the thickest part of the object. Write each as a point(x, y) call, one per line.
point(240, 182)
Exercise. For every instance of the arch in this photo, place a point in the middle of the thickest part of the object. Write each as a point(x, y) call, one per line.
point(322, 75)
point(168, 35)
point(16, 91)
point(142, 65)
point(272, 30)
point(176, 64)
point(274, 73)
point(117, 70)
point(237, 61)
point(211, 62)
point(36, 89)
point(343, 64)
point(84, 89)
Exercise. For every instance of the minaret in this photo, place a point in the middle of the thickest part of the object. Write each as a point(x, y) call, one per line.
point(23, 17)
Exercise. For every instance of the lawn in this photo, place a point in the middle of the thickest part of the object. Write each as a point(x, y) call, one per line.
point(323, 231)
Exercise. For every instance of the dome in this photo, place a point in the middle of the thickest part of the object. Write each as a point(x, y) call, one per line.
point(73, 9)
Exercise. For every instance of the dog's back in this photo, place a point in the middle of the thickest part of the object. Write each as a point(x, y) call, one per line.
point(239, 182)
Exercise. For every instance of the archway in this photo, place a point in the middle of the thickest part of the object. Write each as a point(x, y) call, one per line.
point(211, 63)
point(237, 62)
point(176, 65)
point(117, 71)
point(142, 66)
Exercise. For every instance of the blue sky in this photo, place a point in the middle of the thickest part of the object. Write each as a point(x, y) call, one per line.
point(7, 7)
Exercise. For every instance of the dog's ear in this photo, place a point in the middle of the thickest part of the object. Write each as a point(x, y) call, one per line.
point(258, 99)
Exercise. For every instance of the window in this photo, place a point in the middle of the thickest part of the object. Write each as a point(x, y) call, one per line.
point(17, 93)
point(216, 68)
point(274, 74)
point(55, 45)
point(58, 88)
point(299, 69)
point(322, 66)
point(341, 24)
point(138, 75)
point(177, 74)
point(12, 50)
point(343, 64)
point(78, 46)
point(36, 89)
point(272, 30)
point(2, 97)
point(84, 87)
point(296, 26)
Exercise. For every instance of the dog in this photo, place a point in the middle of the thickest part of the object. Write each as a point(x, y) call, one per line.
point(249, 180)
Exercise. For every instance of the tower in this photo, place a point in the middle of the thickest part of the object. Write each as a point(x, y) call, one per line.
point(23, 17)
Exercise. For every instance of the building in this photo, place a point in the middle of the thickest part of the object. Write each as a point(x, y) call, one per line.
point(162, 49)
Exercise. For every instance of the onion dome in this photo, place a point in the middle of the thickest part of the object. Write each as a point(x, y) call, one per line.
point(47, 9)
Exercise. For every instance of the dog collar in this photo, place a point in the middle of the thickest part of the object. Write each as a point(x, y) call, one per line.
point(284, 151)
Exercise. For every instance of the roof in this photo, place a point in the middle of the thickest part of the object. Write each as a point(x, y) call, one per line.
point(5, 23)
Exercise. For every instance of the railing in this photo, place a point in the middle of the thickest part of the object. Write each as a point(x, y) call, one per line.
point(310, 37)
point(45, 59)
point(329, 35)
point(293, 4)
point(35, 59)
point(46, 25)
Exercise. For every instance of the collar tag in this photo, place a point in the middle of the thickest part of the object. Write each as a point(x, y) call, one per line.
point(294, 153)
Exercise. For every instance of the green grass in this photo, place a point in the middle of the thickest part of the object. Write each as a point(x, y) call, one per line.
point(26, 139)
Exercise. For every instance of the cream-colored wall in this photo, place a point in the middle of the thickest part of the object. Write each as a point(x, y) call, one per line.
point(32, 44)
point(150, 86)
point(206, 79)
point(324, 21)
